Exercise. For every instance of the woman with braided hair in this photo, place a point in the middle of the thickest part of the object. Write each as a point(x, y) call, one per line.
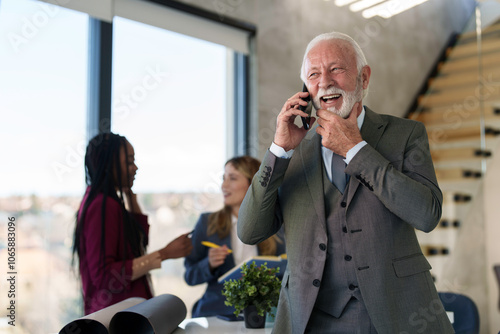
point(111, 233)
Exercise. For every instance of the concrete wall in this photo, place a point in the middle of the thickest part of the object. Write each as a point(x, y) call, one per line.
point(400, 50)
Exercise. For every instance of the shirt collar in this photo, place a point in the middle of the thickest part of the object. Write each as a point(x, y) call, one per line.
point(361, 118)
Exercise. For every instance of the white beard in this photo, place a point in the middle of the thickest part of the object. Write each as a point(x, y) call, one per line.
point(349, 99)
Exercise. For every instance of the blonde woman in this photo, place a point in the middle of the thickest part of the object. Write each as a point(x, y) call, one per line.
point(206, 265)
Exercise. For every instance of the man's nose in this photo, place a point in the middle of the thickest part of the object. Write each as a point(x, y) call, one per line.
point(326, 81)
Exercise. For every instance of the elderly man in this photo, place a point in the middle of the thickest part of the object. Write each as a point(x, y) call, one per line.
point(350, 197)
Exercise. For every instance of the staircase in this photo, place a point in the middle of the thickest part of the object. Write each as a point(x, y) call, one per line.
point(461, 111)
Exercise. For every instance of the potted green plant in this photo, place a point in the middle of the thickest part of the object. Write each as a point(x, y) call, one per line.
point(255, 293)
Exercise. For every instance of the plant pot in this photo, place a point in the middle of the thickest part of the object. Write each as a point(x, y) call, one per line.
point(252, 318)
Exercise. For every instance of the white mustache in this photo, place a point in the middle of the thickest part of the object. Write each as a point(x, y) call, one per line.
point(330, 91)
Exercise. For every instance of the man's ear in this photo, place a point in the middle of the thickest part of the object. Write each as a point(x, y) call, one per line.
point(366, 72)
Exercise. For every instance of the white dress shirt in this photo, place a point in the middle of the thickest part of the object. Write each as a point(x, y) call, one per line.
point(241, 251)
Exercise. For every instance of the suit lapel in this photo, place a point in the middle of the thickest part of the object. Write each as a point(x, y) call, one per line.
point(371, 131)
point(373, 127)
point(312, 162)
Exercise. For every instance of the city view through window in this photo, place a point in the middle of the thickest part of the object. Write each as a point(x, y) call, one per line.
point(169, 100)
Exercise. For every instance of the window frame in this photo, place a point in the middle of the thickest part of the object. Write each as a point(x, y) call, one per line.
point(100, 78)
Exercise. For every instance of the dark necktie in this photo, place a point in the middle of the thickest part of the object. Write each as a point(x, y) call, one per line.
point(339, 178)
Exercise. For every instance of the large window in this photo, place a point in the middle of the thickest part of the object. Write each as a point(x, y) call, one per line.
point(169, 100)
point(43, 83)
point(43, 66)
point(173, 97)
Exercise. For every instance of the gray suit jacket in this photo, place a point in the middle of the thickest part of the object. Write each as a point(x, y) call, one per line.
point(392, 190)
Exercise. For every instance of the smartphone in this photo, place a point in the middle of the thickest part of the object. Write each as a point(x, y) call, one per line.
point(307, 109)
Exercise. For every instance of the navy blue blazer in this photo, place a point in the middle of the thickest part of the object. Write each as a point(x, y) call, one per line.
point(198, 270)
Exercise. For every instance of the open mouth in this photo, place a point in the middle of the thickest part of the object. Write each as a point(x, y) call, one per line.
point(330, 98)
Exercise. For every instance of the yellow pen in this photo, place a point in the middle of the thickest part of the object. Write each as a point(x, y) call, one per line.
point(213, 245)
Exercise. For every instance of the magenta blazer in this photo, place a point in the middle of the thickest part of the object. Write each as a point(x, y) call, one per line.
point(105, 287)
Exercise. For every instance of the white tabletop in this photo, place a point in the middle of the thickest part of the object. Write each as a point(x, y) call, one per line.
point(213, 325)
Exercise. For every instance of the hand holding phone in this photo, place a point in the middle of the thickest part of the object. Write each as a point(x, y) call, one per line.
point(306, 109)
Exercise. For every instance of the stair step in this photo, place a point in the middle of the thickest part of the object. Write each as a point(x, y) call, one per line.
point(470, 63)
point(459, 154)
point(442, 134)
point(457, 198)
point(457, 114)
point(449, 223)
point(433, 250)
point(462, 186)
point(457, 174)
point(488, 32)
point(471, 50)
point(488, 92)
point(465, 79)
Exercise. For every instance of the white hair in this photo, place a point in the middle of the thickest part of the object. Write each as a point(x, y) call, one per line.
point(360, 56)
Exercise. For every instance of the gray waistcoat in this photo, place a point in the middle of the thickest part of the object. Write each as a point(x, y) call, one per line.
point(339, 282)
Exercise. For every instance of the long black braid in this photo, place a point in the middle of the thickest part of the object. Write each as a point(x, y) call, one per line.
point(104, 176)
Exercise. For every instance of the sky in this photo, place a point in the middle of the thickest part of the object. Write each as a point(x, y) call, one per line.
point(168, 100)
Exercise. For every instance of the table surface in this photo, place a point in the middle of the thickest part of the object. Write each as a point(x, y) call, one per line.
point(215, 325)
